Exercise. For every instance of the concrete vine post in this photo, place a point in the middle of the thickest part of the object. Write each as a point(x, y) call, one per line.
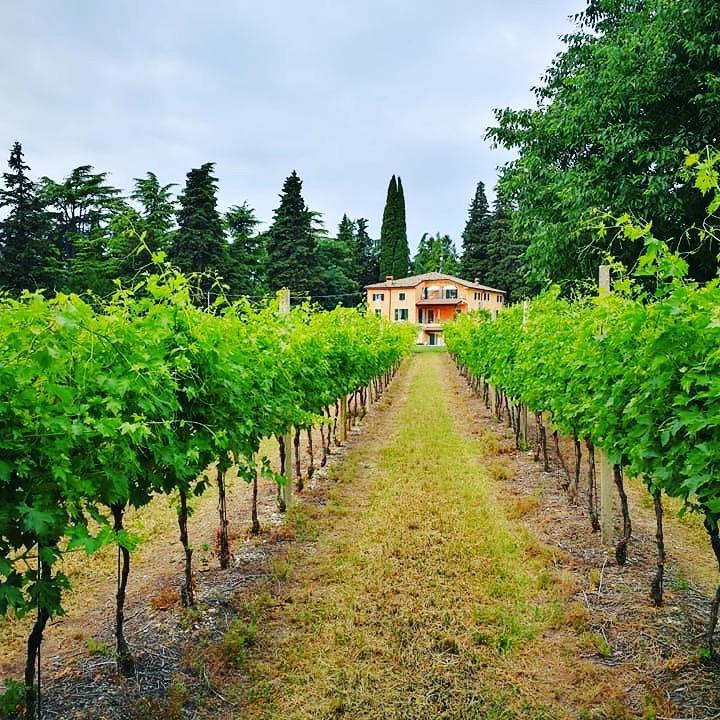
point(286, 489)
point(605, 470)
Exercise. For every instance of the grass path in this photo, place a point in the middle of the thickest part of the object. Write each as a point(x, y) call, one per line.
point(420, 598)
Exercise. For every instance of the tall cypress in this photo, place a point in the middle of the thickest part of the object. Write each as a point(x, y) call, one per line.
point(401, 263)
point(394, 251)
point(28, 257)
point(199, 244)
point(475, 262)
point(291, 256)
point(246, 272)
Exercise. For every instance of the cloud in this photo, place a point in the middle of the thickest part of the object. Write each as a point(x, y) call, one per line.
point(345, 92)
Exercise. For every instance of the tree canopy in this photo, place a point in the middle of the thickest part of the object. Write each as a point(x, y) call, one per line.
point(636, 85)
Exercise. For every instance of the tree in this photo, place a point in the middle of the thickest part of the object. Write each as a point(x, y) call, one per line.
point(199, 244)
point(394, 251)
point(137, 234)
point(81, 209)
point(475, 258)
point(28, 257)
point(436, 254)
point(608, 135)
point(245, 274)
point(365, 255)
point(506, 255)
point(336, 285)
point(291, 260)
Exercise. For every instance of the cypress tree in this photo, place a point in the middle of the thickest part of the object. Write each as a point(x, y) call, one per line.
point(28, 258)
point(199, 245)
point(475, 261)
point(291, 260)
point(394, 251)
point(435, 254)
point(401, 263)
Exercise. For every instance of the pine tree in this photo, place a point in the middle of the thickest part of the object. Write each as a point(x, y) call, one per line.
point(291, 260)
point(28, 257)
point(394, 251)
point(436, 254)
point(81, 209)
point(506, 255)
point(137, 234)
point(336, 285)
point(199, 244)
point(365, 255)
point(475, 259)
point(245, 274)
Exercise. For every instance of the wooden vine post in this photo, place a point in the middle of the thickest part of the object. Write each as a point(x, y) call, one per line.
point(286, 489)
point(523, 414)
point(605, 470)
point(343, 421)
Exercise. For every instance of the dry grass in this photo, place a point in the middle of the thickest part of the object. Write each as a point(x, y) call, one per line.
point(421, 598)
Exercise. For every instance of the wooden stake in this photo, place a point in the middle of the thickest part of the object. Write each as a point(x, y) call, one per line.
point(342, 422)
point(283, 296)
point(605, 470)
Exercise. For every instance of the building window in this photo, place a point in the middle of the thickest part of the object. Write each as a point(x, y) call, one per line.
point(378, 312)
point(451, 293)
point(378, 297)
point(401, 314)
point(476, 295)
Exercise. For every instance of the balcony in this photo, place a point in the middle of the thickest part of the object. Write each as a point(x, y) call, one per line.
point(431, 326)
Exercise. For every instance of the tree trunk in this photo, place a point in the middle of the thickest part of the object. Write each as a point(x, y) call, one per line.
point(561, 460)
point(656, 590)
point(223, 544)
point(125, 662)
point(187, 590)
point(543, 444)
point(298, 469)
point(310, 452)
point(592, 487)
point(335, 423)
point(280, 499)
point(621, 547)
point(253, 509)
point(32, 658)
point(575, 484)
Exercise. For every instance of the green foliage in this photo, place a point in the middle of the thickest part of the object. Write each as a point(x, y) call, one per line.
point(365, 255)
point(291, 251)
point(394, 252)
point(634, 371)
point(199, 245)
point(12, 700)
point(476, 263)
point(436, 254)
point(608, 133)
point(28, 257)
point(245, 274)
point(103, 407)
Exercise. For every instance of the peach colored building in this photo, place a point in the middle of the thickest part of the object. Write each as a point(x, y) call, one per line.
point(429, 300)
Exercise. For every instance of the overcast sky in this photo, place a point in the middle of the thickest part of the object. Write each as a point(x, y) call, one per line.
point(345, 92)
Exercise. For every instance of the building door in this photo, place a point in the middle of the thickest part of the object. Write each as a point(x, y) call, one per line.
point(430, 316)
point(433, 339)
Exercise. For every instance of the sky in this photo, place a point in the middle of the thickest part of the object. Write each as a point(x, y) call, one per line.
point(346, 93)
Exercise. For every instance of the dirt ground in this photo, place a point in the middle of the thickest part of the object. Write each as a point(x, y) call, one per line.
point(429, 571)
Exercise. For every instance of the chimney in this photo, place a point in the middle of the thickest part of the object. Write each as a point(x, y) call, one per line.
point(476, 281)
point(388, 278)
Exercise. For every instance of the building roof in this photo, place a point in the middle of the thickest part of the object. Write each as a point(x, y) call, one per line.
point(415, 280)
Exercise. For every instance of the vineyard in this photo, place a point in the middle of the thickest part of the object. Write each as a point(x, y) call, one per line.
point(106, 406)
point(632, 376)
